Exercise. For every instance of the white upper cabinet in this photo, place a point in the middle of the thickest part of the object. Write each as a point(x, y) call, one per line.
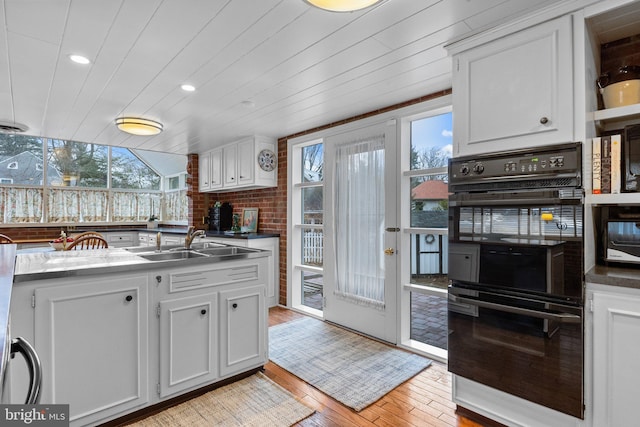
point(230, 165)
point(210, 170)
point(245, 164)
point(515, 91)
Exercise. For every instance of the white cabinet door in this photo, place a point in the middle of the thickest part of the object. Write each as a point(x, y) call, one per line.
point(516, 90)
point(204, 168)
point(92, 339)
point(210, 170)
point(243, 330)
point(616, 359)
point(230, 155)
point(188, 342)
point(246, 162)
point(215, 169)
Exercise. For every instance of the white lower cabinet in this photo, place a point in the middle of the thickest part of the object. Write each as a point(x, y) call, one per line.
point(111, 345)
point(92, 339)
point(269, 243)
point(616, 355)
point(121, 239)
point(243, 317)
point(188, 342)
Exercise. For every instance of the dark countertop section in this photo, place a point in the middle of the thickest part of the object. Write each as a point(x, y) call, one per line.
point(229, 235)
point(614, 276)
point(7, 265)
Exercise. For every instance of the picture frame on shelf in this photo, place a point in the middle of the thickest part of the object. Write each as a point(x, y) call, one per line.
point(249, 220)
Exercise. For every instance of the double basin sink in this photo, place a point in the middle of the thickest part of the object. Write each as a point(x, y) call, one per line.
point(168, 253)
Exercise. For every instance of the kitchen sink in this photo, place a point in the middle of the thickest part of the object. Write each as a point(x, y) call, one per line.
point(167, 256)
point(226, 250)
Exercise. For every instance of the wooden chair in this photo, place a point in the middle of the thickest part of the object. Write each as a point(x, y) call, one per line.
point(5, 239)
point(88, 233)
point(88, 242)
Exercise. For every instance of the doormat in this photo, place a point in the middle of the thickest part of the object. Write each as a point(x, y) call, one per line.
point(253, 401)
point(350, 368)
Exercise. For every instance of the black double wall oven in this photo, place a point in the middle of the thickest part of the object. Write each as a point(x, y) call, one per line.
point(516, 273)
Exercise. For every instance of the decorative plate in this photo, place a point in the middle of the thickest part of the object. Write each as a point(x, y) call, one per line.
point(267, 160)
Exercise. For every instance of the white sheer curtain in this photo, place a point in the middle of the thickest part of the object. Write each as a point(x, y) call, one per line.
point(132, 206)
point(20, 204)
point(359, 221)
point(176, 206)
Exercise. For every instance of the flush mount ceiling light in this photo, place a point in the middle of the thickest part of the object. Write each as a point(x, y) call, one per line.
point(342, 5)
point(138, 126)
point(7, 126)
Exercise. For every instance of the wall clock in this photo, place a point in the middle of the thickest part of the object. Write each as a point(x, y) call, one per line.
point(267, 160)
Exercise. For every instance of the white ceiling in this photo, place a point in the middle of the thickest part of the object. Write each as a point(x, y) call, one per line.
point(301, 67)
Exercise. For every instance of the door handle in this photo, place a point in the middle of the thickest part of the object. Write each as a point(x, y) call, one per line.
point(389, 251)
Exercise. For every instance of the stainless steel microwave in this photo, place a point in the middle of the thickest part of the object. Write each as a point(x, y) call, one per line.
point(623, 241)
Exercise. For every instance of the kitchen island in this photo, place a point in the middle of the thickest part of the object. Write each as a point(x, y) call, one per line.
point(119, 330)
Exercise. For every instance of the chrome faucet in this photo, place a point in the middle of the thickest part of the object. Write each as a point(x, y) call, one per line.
point(191, 234)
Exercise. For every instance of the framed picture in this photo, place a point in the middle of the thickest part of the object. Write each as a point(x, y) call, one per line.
point(249, 220)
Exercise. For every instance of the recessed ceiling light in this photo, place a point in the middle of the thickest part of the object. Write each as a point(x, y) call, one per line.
point(188, 88)
point(342, 5)
point(248, 104)
point(79, 59)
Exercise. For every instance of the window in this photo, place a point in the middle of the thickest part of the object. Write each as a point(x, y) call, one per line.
point(430, 149)
point(308, 220)
point(128, 171)
point(59, 181)
point(77, 164)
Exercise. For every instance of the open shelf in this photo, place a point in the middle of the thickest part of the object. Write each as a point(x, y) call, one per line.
point(628, 112)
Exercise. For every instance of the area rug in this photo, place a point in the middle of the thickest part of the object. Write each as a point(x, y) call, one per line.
point(352, 369)
point(253, 401)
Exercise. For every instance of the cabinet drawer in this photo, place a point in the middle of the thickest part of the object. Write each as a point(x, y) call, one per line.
point(187, 280)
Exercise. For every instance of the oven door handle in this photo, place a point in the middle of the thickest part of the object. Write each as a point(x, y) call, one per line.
point(561, 317)
point(22, 346)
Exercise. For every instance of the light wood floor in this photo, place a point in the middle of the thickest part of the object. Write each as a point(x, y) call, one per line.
point(424, 400)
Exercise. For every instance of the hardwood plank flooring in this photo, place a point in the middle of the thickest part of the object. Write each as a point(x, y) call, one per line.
point(424, 400)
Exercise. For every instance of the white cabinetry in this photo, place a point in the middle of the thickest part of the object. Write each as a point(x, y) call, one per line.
point(616, 355)
point(192, 306)
point(237, 165)
point(188, 342)
point(121, 239)
point(269, 243)
point(110, 346)
point(92, 339)
point(151, 238)
point(515, 91)
point(243, 317)
point(230, 165)
point(210, 170)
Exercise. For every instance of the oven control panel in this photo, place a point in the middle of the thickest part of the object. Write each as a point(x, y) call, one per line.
point(521, 163)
